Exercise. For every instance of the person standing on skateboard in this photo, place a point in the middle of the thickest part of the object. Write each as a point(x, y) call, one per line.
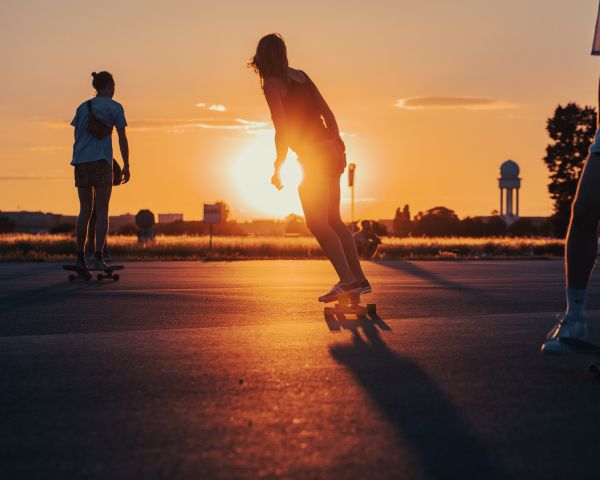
point(581, 251)
point(93, 157)
point(304, 122)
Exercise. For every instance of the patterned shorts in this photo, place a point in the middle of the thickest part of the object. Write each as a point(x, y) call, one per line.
point(93, 174)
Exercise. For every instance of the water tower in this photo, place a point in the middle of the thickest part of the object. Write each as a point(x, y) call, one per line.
point(509, 183)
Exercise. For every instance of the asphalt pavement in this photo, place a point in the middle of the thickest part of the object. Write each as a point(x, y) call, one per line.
point(201, 370)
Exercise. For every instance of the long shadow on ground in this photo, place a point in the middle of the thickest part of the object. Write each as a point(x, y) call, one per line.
point(442, 439)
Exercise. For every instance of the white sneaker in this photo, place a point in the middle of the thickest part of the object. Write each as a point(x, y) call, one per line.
point(564, 328)
point(339, 290)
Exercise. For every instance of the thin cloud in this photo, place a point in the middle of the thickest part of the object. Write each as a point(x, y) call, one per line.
point(178, 125)
point(31, 177)
point(213, 107)
point(462, 103)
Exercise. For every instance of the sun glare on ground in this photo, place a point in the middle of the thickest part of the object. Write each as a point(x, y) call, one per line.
point(251, 170)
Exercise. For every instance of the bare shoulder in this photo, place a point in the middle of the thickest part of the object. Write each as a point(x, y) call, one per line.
point(273, 84)
point(297, 75)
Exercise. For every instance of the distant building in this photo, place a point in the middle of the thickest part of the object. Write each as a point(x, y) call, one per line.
point(510, 184)
point(169, 217)
point(117, 222)
point(34, 222)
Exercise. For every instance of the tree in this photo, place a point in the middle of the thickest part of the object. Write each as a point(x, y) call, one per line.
point(572, 131)
point(402, 223)
point(436, 222)
point(379, 228)
point(224, 210)
point(63, 227)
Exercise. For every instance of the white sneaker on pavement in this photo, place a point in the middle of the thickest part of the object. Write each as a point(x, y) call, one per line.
point(565, 327)
point(339, 290)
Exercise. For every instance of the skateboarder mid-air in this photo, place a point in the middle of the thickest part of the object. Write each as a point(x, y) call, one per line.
point(580, 252)
point(304, 122)
point(92, 159)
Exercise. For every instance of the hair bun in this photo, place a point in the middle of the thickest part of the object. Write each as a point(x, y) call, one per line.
point(94, 74)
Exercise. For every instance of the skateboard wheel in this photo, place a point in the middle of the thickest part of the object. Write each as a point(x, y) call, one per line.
point(594, 370)
point(116, 277)
point(371, 308)
point(71, 278)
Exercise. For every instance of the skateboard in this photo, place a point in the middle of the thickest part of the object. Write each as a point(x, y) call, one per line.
point(83, 274)
point(584, 348)
point(348, 305)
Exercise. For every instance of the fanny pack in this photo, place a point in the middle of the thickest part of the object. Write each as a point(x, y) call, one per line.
point(95, 126)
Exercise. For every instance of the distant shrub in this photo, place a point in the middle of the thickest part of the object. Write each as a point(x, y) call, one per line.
point(26, 247)
point(63, 227)
point(6, 225)
point(129, 229)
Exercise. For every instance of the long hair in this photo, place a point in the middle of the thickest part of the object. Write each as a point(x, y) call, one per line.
point(270, 59)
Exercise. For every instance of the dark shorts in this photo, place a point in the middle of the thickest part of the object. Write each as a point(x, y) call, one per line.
point(325, 158)
point(93, 174)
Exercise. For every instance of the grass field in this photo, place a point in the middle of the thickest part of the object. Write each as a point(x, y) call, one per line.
point(31, 247)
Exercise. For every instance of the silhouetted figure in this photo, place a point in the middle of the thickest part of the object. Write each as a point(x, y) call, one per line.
point(581, 251)
point(402, 222)
point(366, 240)
point(93, 161)
point(305, 123)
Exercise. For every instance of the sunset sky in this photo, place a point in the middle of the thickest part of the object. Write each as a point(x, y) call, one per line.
point(431, 97)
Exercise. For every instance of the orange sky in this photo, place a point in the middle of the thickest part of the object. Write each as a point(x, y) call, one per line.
point(517, 60)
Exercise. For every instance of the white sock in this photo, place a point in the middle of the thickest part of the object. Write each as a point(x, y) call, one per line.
point(576, 303)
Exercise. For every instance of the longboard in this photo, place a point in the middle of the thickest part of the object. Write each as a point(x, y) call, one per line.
point(336, 316)
point(584, 348)
point(83, 274)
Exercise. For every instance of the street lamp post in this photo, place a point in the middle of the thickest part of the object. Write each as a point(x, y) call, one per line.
point(351, 173)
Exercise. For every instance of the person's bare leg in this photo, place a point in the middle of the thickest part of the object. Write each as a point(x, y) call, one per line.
point(582, 238)
point(102, 200)
point(91, 234)
point(314, 197)
point(86, 202)
point(341, 230)
point(581, 252)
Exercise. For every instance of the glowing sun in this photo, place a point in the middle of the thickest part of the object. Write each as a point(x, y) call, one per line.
point(251, 170)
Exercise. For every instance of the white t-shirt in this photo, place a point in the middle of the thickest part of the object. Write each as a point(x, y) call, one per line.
point(88, 148)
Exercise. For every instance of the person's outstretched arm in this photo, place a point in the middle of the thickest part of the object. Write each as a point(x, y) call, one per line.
point(124, 147)
point(274, 91)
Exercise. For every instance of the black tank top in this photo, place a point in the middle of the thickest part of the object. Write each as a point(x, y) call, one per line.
point(305, 125)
